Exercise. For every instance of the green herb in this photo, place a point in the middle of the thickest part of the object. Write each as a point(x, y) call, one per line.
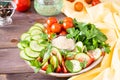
point(49, 69)
point(87, 33)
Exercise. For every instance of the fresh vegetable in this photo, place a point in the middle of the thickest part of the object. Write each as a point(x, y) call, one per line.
point(78, 6)
point(51, 20)
point(95, 2)
point(88, 1)
point(56, 28)
point(22, 5)
point(71, 0)
point(84, 58)
point(73, 65)
point(89, 35)
point(50, 49)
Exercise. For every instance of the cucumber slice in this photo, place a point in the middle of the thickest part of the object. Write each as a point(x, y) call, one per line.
point(36, 37)
point(79, 47)
point(39, 25)
point(73, 65)
point(24, 35)
point(34, 27)
point(24, 56)
point(35, 46)
point(19, 45)
point(35, 31)
point(29, 52)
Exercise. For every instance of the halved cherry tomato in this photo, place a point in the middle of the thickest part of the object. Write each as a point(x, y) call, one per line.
point(58, 70)
point(67, 25)
point(63, 67)
point(88, 1)
point(51, 20)
point(63, 33)
point(45, 66)
point(71, 0)
point(68, 19)
point(56, 28)
point(95, 2)
point(78, 6)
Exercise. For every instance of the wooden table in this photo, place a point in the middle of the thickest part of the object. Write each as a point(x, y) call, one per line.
point(12, 67)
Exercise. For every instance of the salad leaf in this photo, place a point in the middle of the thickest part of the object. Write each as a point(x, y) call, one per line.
point(87, 33)
point(49, 69)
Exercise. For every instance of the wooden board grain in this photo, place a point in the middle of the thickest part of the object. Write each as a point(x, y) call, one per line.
point(10, 62)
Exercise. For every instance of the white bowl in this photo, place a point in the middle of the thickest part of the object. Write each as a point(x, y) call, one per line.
point(95, 63)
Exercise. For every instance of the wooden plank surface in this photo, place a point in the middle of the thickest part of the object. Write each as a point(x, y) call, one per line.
point(12, 67)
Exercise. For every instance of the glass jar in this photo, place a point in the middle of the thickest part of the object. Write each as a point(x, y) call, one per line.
point(48, 7)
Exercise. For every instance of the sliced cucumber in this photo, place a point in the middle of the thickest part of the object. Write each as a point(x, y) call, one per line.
point(24, 35)
point(36, 37)
point(35, 31)
point(57, 53)
point(73, 65)
point(79, 47)
point(24, 43)
point(39, 25)
point(35, 46)
point(34, 27)
point(19, 45)
point(29, 52)
point(24, 56)
point(54, 61)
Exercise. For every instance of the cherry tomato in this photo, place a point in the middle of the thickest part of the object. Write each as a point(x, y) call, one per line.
point(88, 1)
point(48, 29)
point(67, 25)
point(68, 19)
point(95, 2)
point(51, 20)
point(22, 5)
point(58, 70)
point(78, 6)
point(71, 0)
point(56, 28)
point(63, 33)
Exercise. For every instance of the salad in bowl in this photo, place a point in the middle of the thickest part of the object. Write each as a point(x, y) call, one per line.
point(63, 48)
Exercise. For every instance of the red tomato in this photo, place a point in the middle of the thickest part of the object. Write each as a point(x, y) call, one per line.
point(51, 20)
point(63, 67)
point(68, 19)
point(71, 0)
point(58, 70)
point(67, 25)
point(56, 28)
point(88, 1)
point(48, 29)
point(95, 2)
point(78, 6)
point(22, 5)
point(44, 67)
point(63, 33)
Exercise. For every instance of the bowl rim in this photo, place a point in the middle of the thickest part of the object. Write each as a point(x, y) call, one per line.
point(94, 64)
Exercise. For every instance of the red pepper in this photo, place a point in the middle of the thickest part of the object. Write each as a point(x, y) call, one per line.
point(44, 67)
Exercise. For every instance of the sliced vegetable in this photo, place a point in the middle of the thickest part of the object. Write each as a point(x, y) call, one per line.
point(63, 66)
point(45, 66)
point(35, 32)
point(24, 35)
point(29, 52)
point(41, 26)
point(82, 57)
point(24, 56)
point(56, 52)
point(54, 61)
point(59, 69)
point(19, 45)
point(35, 46)
point(95, 53)
point(73, 66)
point(79, 47)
